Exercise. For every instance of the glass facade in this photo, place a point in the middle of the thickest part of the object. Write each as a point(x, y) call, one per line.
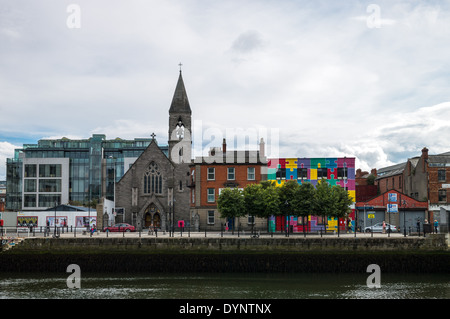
point(95, 164)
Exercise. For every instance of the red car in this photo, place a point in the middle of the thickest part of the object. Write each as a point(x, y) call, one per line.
point(120, 227)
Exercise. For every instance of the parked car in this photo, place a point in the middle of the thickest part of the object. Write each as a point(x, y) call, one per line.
point(378, 228)
point(119, 228)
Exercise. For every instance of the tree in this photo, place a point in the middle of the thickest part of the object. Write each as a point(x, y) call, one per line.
point(289, 203)
point(231, 203)
point(341, 202)
point(254, 200)
point(305, 203)
point(261, 200)
point(322, 200)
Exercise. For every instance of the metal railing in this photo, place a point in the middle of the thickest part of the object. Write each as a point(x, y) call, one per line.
point(187, 231)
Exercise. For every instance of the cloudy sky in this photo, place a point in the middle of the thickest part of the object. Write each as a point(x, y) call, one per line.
point(368, 79)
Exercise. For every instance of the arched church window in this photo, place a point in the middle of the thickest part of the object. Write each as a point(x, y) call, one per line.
point(180, 129)
point(152, 180)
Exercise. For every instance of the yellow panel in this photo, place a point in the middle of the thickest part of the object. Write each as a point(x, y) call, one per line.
point(352, 194)
point(291, 163)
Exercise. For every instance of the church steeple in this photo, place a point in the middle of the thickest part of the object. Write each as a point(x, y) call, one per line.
point(180, 117)
point(180, 102)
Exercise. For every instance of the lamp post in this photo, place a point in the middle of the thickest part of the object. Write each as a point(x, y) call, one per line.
point(114, 182)
point(404, 218)
point(54, 221)
point(287, 225)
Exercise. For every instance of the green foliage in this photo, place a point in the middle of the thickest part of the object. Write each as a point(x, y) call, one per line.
point(341, 202)
point(371, 179)
point(265, 200)
point(231, 203)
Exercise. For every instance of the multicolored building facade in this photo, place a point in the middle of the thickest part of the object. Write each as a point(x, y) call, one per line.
point(336, 171)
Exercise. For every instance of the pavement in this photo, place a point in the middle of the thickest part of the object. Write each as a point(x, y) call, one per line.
point(210, 234)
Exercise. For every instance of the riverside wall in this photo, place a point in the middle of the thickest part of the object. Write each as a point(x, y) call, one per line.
point(294, 254)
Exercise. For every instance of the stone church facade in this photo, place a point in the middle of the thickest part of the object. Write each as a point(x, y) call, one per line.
point(154, 191)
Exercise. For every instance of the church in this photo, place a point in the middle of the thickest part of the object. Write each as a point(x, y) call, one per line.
point(154, 190)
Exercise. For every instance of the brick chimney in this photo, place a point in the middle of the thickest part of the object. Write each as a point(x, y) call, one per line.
point(425, 153)
point(424, 158)
point(374, 172)
point(224, 146)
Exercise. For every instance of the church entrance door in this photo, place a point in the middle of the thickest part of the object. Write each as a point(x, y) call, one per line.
point(157, 220)
point(148, 220)
point(152, 217)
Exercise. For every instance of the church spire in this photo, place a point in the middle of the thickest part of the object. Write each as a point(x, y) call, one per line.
point(180, 102)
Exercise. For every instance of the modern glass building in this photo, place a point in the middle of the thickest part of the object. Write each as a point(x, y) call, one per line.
point(66, 171)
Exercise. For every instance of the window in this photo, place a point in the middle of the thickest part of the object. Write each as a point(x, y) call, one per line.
point(211, 173)
point(441, 175)
point(29, 201)
point(49, 200)
point(322, 173)
point(50, 185)
point(230, 175)
point(152, 180)
point(211, 195)
point(442, 195)
point(342, 172)
point(251, 173)
point(302, 173)
point(50, 170)
point(211, 217)
point(281, 173)
point(251, 220)
point(30, 170)
point(29, 185)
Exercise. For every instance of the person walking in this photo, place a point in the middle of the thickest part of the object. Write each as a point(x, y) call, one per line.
point(384, 227)
point(436, 224)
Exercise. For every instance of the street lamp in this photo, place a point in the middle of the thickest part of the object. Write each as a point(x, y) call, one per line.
point(54, 221)
point(287, 226)
point(114, 181)
point(404, 218)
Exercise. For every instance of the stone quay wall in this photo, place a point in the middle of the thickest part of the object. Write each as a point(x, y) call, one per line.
point(122, 254)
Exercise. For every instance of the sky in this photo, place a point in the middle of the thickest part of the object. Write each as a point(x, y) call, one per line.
point(363, 79)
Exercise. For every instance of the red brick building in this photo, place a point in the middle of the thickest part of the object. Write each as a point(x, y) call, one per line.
point(390, 178)
point(427, 178)
point(221, 169)
point(365, 187)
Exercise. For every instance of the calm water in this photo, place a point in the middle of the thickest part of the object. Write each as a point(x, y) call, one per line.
point(224, 286)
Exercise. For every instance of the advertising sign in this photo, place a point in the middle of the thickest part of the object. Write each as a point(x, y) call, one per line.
point(392, 208)
point(392, 197)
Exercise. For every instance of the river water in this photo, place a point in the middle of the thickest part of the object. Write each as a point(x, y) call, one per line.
point(224, 286)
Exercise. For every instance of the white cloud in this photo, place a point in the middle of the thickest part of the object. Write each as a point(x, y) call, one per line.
point(6, 151)
point(313, 70)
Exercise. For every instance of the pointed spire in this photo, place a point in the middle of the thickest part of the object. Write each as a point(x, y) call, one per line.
point(180, 102)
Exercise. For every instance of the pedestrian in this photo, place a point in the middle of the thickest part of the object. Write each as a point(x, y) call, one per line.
point(418, 226)
point(384, 227)
point(436, 224)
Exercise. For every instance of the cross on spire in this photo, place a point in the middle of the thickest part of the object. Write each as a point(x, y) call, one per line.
point(180, 65)
point(153, 135)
